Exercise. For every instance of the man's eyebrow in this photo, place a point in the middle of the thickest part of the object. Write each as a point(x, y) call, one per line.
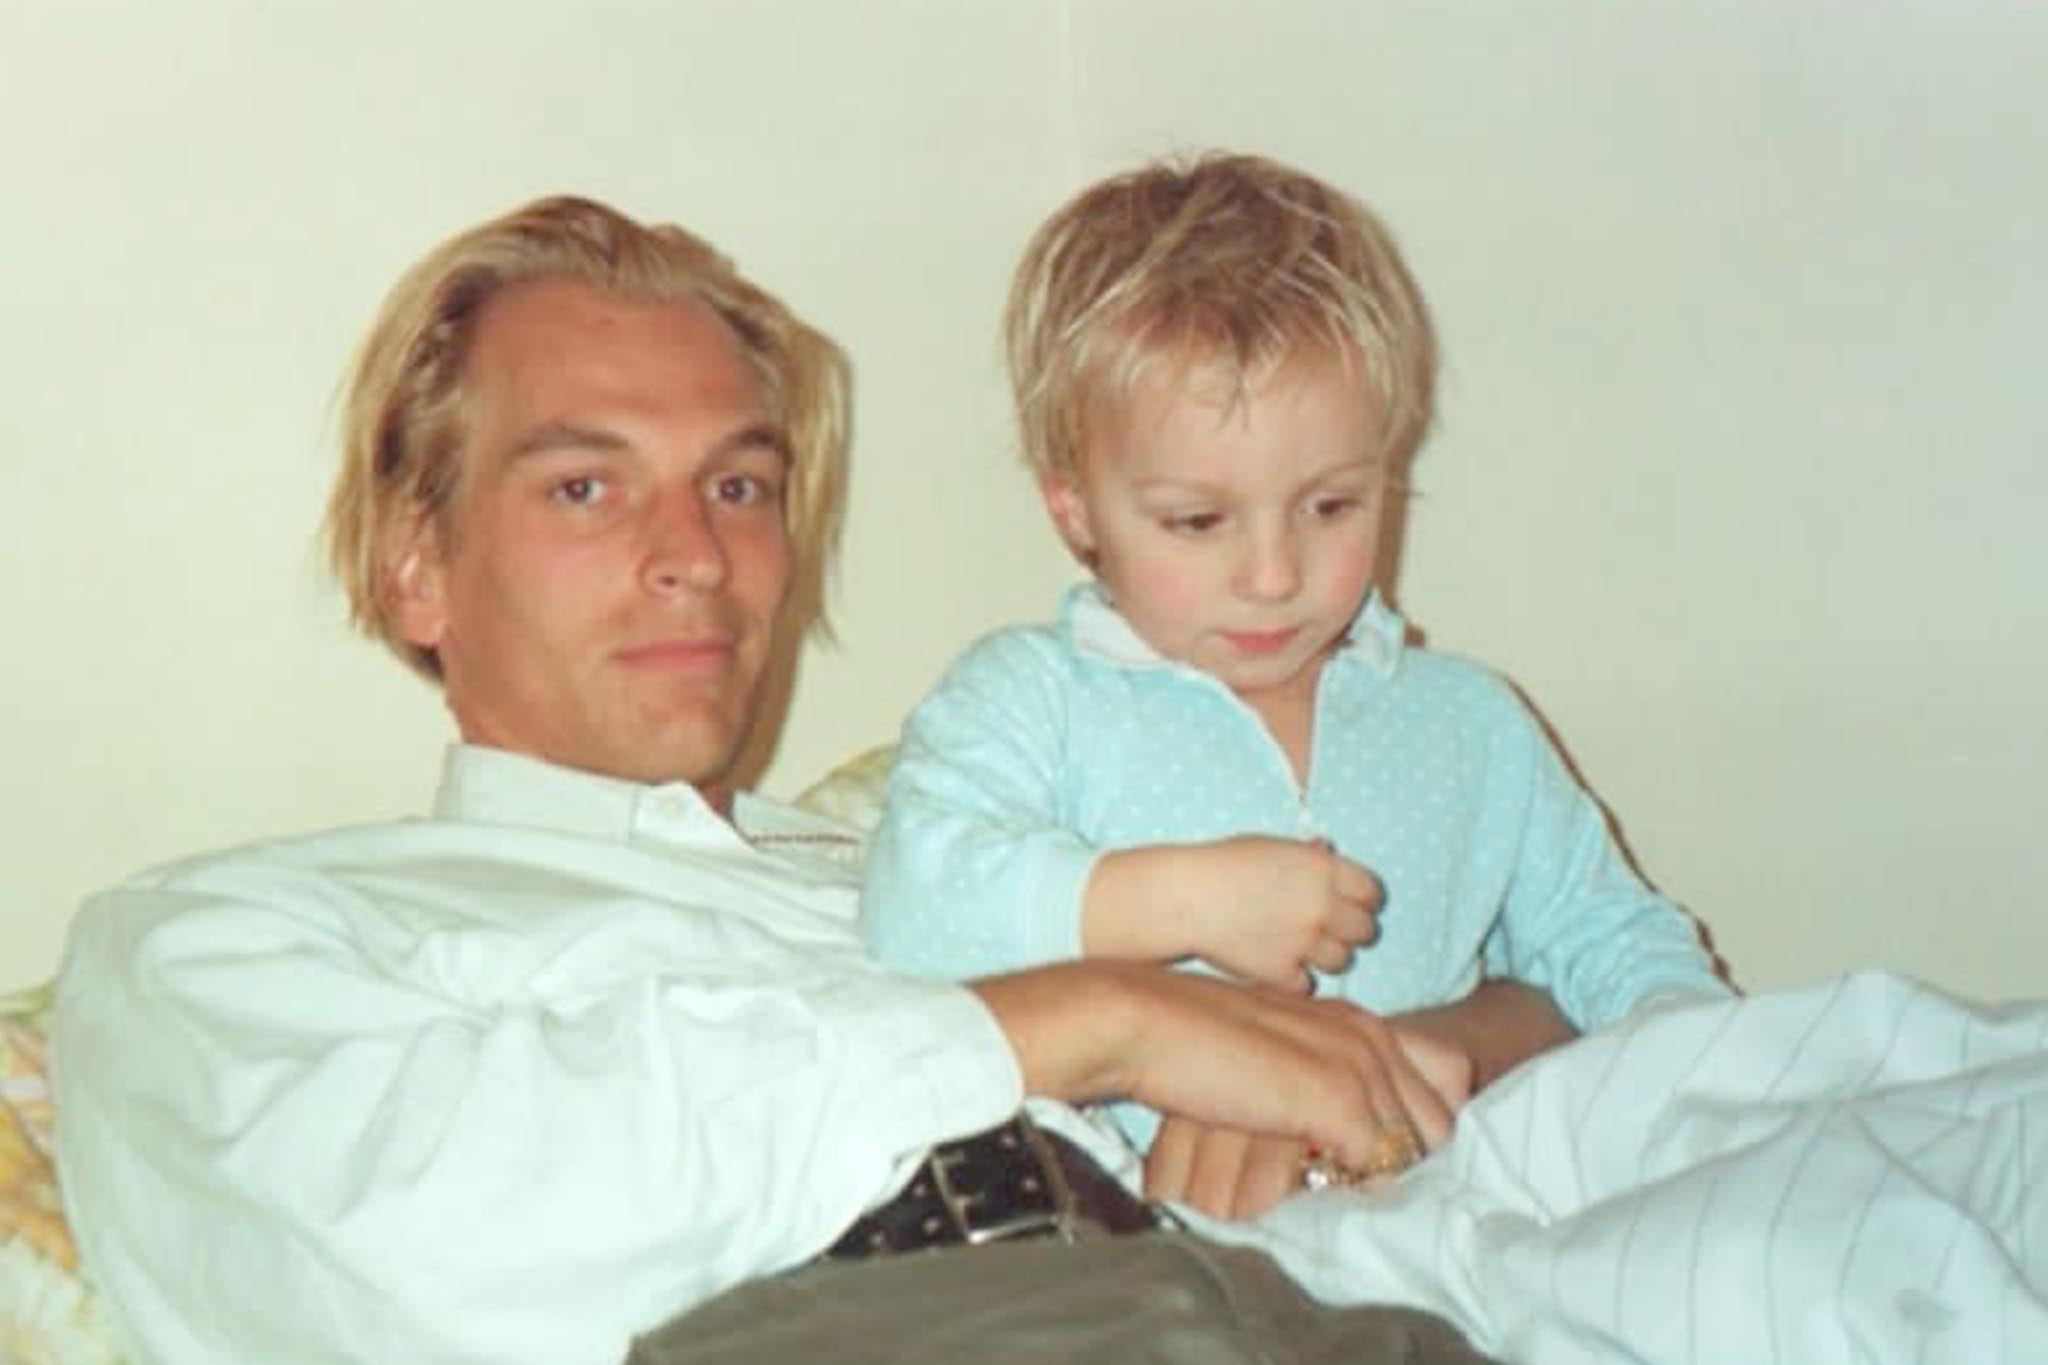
point(550, 437)
point(762, 435)
point(553, 436)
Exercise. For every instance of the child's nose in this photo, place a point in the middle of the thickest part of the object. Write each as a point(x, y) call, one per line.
point(1271, 569)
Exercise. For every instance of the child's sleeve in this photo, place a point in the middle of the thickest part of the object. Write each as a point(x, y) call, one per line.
point(971, 872)
point(1577, 921)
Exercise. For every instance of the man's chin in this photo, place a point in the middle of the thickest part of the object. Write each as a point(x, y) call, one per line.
point(706, 771)
point(701, 754)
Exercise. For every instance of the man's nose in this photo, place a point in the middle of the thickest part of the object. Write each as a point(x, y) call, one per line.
point(1270, 567)
point(684, 550)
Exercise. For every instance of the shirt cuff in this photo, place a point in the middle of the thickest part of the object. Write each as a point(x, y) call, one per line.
point(938, 1064)
point(1052, 903)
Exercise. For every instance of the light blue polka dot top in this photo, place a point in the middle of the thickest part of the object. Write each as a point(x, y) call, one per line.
point(1043, 747)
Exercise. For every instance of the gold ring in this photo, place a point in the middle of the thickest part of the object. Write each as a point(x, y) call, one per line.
point(1394, 1149)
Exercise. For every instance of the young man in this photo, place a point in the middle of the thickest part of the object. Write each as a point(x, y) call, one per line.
point(589, 1046)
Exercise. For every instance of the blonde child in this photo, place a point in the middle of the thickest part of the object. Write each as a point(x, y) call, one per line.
point(1224, 750)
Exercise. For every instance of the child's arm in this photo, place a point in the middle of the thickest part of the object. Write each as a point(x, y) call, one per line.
point(1576, 920)
point(972, 871)
point(1262, 908)
point(1499, 1026)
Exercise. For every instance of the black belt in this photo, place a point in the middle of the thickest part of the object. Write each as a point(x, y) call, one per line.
point(1009, 1183)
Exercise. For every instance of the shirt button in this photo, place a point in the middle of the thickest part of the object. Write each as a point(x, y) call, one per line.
point(663, 809)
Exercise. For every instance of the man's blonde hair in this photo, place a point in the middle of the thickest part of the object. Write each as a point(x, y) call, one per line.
point(404, 419)
point(1232, 262)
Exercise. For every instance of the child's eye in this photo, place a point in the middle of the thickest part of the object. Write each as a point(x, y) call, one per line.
point(1192, 523)
point(1332, 507)
point(580, 490)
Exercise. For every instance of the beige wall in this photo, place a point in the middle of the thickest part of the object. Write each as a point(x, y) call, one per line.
point(1740, 456)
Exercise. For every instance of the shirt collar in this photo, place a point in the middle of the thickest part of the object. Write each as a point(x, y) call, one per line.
point(488, 786)
point(1094, 626)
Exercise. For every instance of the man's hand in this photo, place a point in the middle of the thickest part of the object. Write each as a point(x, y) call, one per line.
point(1216, 1052)
point(1260, 908)
point(1228, 1173)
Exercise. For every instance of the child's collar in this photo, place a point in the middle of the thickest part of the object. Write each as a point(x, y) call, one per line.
point(1094, 626)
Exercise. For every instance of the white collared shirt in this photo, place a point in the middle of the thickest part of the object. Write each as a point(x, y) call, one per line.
point(507, 1084)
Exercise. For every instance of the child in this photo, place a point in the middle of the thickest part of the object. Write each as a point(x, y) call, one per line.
point(1224, 750)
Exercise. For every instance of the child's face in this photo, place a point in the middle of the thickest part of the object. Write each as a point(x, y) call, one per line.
point(1239, 538)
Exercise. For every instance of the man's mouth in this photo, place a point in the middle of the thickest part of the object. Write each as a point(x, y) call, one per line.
point(683, 654)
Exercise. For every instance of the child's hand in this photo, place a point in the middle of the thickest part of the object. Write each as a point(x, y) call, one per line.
point(1261, 908)
point(1269, 909)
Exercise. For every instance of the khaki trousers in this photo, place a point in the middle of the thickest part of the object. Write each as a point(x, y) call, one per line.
point(1160, 1298)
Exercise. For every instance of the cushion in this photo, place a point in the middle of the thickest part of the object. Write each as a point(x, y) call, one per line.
point(48, 1314)
point(852, 793)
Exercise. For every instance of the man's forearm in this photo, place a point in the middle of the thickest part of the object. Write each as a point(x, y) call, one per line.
point(1499, 1026)
point(1218, 1052)
point(1039, 1010)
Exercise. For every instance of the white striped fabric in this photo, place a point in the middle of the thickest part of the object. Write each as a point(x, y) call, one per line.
point(1854, 1172)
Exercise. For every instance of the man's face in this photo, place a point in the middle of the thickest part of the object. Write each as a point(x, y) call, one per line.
point(604, 591)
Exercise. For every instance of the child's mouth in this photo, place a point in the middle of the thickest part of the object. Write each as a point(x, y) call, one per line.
point(1259, 642)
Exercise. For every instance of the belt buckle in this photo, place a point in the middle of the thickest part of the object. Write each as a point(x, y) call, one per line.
point(1043, 1180)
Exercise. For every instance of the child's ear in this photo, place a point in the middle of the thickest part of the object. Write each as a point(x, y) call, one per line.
point(413, 583)
point(1069, 512)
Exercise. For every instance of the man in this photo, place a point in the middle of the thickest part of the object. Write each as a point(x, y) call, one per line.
point(594, 1043)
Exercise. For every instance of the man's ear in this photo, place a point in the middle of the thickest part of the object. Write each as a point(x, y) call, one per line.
point(414, 583)
point(1069, 512)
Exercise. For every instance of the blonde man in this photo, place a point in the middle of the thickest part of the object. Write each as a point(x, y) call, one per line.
point(596, 1041)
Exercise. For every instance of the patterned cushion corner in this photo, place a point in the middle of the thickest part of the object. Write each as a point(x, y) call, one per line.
point(24, 1096)
point(853, 792)
point(48, 1314)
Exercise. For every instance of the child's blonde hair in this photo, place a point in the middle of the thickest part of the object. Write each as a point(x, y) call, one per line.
point(1227, 261)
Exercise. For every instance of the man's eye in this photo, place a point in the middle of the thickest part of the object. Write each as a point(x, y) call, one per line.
point(580, 491)
point(743, 490)
point(1192, 523)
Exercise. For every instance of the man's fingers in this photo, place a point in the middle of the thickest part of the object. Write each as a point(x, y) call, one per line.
point(1391, 1096)
point(1219, 1161)
point(1422, 1108)
point(1443, 1068)
point(1426, 1111)
point(1223, 1172)
point(1272, 1171)
point(1170, 1163)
